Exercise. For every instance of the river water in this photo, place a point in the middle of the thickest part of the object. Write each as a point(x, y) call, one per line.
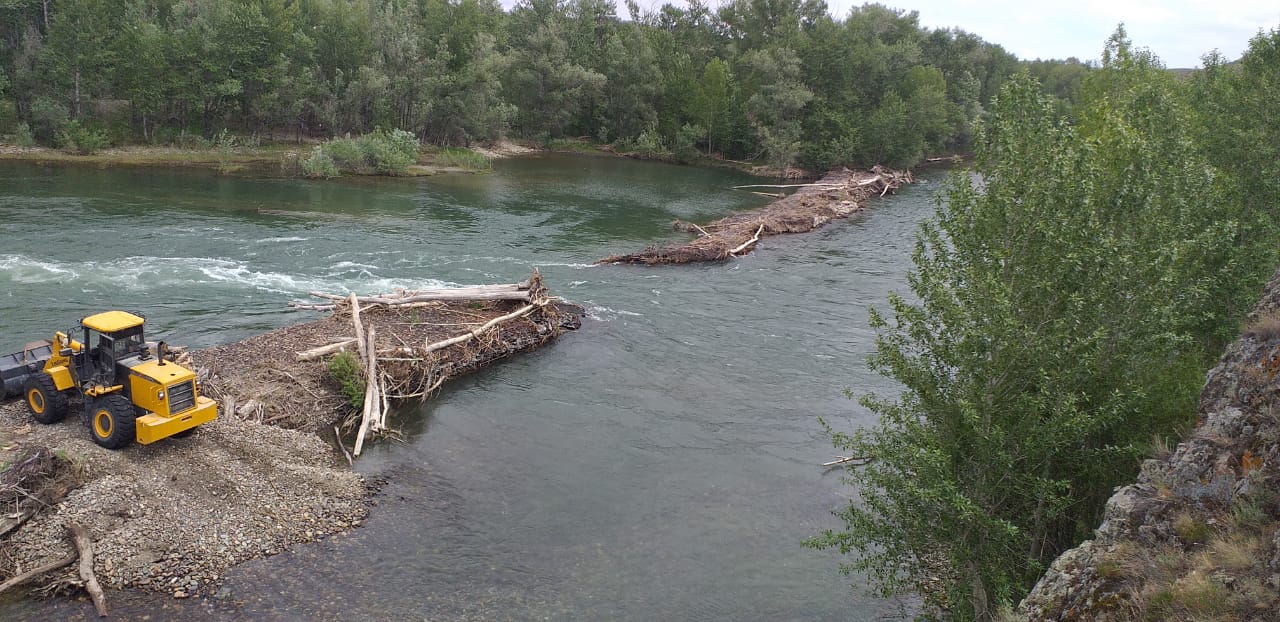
point(661, 463)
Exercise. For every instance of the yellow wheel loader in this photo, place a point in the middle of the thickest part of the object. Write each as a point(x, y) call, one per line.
point(129, 393)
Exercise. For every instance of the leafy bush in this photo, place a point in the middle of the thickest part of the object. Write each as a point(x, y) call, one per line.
point(47, 118)
point(79, 139)
point(463, 158)
point(319, 165)
point(383, 152)
point(345, 370)
point(686, 147)
point(647, 146)
point(22, 136)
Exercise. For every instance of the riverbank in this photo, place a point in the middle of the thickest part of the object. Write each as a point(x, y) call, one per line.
point(837, 195)
point(173, 516)
point(276, 160)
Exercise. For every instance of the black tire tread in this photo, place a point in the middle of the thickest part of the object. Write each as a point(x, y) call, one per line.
point(123, 421)
point(55, 401)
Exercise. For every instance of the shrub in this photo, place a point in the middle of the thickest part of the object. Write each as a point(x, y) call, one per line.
point(319, 165)
point(686, 147)
point(22, 136)
point(1191, 529)
point(387, 153)
point(345, 370)
point(76, 138)
point(647, 146)
point(47, 118)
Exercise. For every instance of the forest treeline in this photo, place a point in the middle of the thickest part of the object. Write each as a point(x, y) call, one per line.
point(1065, 307)
point(776, 80)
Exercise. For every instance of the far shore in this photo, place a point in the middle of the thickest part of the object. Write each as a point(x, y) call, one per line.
point(281, 159)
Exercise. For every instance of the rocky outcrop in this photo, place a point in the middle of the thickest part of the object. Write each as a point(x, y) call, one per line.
point(1198, 535)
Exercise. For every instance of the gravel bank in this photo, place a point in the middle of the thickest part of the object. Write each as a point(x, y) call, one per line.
point(172, 516)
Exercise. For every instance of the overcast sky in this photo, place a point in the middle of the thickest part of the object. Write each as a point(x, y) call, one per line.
point(1178, 31)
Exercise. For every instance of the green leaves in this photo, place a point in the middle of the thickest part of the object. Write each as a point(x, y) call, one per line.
point(1069, 301)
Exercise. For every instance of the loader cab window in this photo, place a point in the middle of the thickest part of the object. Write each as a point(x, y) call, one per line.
point(110, 348)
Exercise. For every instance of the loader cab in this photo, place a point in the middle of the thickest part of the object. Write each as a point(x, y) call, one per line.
point(109, 338)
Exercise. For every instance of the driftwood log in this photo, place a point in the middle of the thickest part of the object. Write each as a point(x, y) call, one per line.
point(85, 546)
point(837, 195)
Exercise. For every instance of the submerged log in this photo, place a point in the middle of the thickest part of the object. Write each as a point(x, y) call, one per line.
point(837, 195)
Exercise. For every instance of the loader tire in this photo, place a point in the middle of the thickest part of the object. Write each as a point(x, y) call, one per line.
point(46, 403)
point(111, 421)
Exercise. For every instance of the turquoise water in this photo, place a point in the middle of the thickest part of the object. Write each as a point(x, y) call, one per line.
point(660, 463)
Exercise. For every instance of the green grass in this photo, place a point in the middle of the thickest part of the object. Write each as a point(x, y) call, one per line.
point(453, 157)
point(571, 144)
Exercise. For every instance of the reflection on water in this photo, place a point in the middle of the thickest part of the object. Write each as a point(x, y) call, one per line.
point(660, 463)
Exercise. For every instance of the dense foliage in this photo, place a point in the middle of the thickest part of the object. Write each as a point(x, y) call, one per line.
point(780, 80)
point(1066, 305)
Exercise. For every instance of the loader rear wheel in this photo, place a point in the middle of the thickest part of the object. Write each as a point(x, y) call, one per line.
point(111, 421)
point(46, 403)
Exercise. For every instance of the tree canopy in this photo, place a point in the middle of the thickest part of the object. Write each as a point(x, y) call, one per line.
point(780, 80)
point(1067, 303)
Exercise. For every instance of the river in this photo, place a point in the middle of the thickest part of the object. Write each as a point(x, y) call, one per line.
point(661, 463)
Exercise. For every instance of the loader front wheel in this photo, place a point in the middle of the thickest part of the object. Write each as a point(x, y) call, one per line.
point(46, 403)
point(111, 421)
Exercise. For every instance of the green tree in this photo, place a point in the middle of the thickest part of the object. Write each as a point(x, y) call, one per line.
point(549, 89)
point(776, 102)
point(711, 105)
point(1060, 321)
point(633, 83)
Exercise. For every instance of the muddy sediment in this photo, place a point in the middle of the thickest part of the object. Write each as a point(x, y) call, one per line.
point(174, 515)
point(837, 195)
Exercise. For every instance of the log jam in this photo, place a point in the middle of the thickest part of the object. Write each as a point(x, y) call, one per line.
point(837, 195)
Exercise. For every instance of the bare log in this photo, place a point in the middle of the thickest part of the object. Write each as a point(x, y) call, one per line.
point(814, 185)
point(745, 245)
point(315, 353)
point(309, 307)
point(371, 400)
point(85, 545)
point(450, 295)
point(35, 572)
point(846, 459)
point(507, 291)
point(432, 347)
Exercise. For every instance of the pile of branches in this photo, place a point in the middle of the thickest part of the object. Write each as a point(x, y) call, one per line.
point(32, 482)
point(837, 195)
point(410, 342)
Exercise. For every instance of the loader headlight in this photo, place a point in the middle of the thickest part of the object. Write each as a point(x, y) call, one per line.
point(160, 394)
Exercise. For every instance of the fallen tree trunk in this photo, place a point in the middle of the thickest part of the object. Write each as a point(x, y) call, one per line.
point(371, 398)
point(85, 546)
